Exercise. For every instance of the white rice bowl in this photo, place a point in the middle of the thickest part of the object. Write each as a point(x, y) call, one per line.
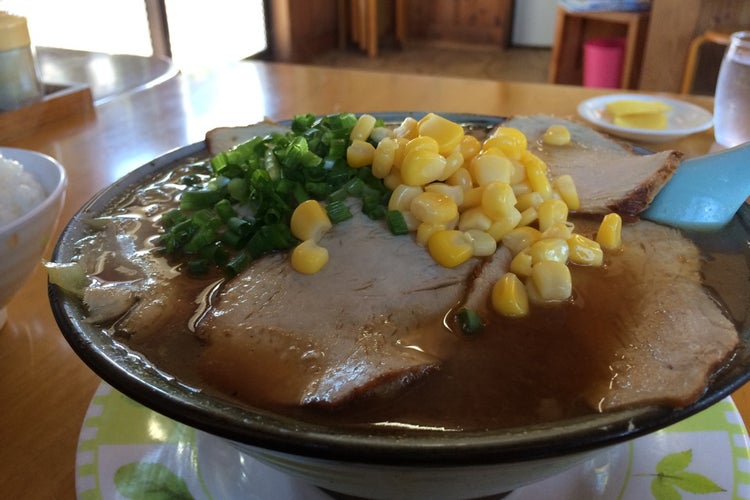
point(19, 191)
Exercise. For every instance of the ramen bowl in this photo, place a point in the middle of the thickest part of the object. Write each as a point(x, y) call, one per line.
point(24, 239)
point(399, 462)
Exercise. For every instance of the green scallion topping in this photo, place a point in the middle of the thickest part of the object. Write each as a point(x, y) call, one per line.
point(396, 222)
point(242, 210)
point(469, 321)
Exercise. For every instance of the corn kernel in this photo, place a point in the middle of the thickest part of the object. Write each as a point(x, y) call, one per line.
point(510, 141)
point(498, 200)
point(393, 179)
point(363, 128)
point(448, 134)
point(308, 257)
point(472, 197)
point(309, 221)
point(527, 200)
point(380, 133)
point(484, 245)
point(585, 251)
point(521, 237)
point(536, 173)
point(454, 192)
point(407, 129)
point(421, 167)
point(382, 160)
point(509, 297)
point(422, 142)
point(461, 177)
point(450, 247)
point(518, 174)
point(521, 264)
point(552, 280)
point(469, 147)
point(453, 162)
point(550, 212)
point(561, 229)
point(433, 207)
point(609, 235)
point(565, 186)
point(359, 153)
point(474, 218)
point(412, 223)
point(426, 230)
point(398, 156)
point(557, 135)
point(522, 188)
point(402, 196)
point(528, 216)
point(488, 168)
point(500, 228)
point(528, 158)
point(554, 249)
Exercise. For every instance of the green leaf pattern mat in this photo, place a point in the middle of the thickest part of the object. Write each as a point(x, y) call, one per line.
point(127, 451)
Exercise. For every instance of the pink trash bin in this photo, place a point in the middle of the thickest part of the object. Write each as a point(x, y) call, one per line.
point(602, 62)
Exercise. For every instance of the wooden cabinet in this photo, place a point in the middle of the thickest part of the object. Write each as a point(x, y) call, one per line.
point(484, 22)
point(301, 29)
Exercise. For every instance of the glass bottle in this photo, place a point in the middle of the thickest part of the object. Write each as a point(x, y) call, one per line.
point(19, 76)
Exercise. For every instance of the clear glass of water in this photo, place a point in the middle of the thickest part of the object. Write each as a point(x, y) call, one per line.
point(732, 99)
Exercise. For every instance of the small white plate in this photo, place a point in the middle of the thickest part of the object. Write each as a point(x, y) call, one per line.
point(682, 120)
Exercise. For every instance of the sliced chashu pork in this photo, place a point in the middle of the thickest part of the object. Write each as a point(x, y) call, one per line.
point(364, 322)
point(672, 335)
point(608, 174)
point(225, 138)
point(663, 333)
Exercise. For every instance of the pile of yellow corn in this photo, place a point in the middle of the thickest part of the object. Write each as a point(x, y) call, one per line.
point(462, 198)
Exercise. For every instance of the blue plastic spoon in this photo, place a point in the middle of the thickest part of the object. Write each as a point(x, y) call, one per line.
point(705, 192)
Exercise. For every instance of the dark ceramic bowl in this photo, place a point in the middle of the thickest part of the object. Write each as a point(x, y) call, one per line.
point(429, 465)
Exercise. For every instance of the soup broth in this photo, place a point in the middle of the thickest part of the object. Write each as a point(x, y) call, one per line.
point(515, 372)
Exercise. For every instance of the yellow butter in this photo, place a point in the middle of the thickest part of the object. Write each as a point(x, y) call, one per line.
point(624, 107)
point(652, 121)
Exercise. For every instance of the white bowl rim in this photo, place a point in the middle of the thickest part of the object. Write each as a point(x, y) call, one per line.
point(49, 197)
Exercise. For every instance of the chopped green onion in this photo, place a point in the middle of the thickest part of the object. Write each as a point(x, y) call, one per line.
point(338, 211)
point(469, 321)
point(396, 222)
point(195, 200)
point(240, 208)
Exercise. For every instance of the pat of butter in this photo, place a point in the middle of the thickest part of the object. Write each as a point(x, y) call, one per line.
point(653, 121)
point(633, 113)
point(636, 107)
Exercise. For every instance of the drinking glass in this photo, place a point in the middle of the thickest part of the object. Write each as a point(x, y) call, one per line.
point(732, 99)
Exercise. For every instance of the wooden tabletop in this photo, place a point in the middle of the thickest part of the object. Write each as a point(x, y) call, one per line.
point(44, 388)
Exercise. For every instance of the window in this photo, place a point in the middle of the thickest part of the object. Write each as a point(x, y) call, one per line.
point(201, 34)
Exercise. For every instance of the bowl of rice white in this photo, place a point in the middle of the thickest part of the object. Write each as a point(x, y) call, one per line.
point(32, 191)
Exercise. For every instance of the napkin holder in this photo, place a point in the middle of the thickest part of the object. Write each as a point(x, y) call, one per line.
point(59, 102)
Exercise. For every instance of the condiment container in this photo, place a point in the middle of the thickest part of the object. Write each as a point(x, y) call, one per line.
point(19, 77)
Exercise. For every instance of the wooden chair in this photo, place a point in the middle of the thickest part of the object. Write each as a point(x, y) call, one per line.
point(719, 36)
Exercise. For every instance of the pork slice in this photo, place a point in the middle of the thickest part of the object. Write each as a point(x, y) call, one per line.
point(672, 334)
point(609, 175)
point(225, 138)
point(362, 324)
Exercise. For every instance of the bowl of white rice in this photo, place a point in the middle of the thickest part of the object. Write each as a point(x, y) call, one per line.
point(32, 191)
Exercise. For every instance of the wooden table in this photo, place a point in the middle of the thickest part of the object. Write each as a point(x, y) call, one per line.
point(44, 388)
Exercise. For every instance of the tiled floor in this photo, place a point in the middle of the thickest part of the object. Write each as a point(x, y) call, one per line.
point(517, 64)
